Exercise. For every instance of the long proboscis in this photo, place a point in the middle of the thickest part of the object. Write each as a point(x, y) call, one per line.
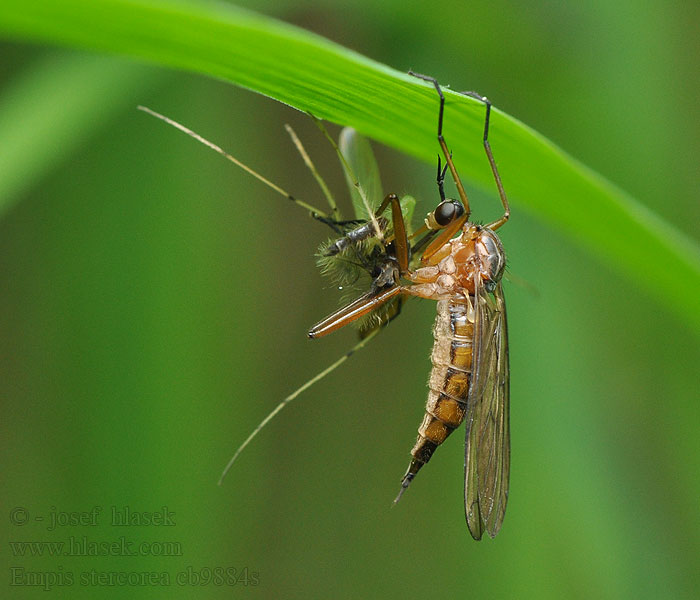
point(312, 209)
point(292, 396)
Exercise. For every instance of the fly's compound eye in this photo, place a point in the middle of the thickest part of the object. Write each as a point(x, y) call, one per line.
point(447, 212)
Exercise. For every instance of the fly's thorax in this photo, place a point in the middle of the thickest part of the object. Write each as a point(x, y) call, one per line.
point(475, 253)
point(479, 252)
point(492, 257)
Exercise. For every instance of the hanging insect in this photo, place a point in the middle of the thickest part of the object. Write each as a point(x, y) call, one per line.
point(470, 376)
point(469, 379)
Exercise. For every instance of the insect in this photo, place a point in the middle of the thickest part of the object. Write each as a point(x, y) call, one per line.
point(470, 376)
point(470, 379)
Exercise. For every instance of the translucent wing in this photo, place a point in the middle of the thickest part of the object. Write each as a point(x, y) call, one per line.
point(360, 158)
point(487, 447)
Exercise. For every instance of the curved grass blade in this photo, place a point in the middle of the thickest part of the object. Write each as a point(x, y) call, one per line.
point(342, 86)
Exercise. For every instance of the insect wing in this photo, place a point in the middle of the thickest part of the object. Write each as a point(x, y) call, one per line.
point(359, 156)
point(487, 446)
point(408, 207)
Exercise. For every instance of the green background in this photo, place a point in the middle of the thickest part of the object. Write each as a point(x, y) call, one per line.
point(154, 302)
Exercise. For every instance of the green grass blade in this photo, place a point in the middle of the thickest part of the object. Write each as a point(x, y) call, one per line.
point(313, 74)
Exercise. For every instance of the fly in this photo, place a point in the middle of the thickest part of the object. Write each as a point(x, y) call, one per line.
point(470, 378)
point(470, 375)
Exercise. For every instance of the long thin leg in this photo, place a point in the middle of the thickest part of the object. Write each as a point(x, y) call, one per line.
point(294, 394)
point(317, 176)
point(494, 169)
point(315, 212)
point(443, 144)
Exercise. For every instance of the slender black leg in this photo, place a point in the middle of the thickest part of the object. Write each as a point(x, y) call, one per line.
point(441, 179)
point(333, 224)
point(443, 144)
point(489, 154)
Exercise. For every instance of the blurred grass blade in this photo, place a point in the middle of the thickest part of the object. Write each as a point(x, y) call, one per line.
point(316, 75)
point(52, 107)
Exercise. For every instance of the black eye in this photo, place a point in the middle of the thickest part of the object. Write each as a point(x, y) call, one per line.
point(448, 211)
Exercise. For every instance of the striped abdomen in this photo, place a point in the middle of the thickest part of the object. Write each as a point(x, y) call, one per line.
point(449, 380)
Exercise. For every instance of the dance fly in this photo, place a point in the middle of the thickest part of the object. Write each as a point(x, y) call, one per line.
point(470, 377)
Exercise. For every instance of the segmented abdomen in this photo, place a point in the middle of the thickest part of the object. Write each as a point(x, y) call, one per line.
point(449, 379)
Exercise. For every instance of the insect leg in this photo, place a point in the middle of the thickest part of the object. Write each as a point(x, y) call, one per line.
point(293, 395)
point(316, 213)
point(487, 147)
point(353, 311)
point(443, 144)
point(317, 176)
point(400, 237)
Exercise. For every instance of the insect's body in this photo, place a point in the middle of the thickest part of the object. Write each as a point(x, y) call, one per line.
point(475, 258)
point(470, 378)
point(449, 379)
point(470, 369)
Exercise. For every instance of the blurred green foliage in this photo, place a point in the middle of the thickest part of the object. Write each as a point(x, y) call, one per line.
point(155, 302)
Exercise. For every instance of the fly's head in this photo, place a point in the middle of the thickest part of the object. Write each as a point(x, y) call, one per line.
point(385, 273)
point(446, 212)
